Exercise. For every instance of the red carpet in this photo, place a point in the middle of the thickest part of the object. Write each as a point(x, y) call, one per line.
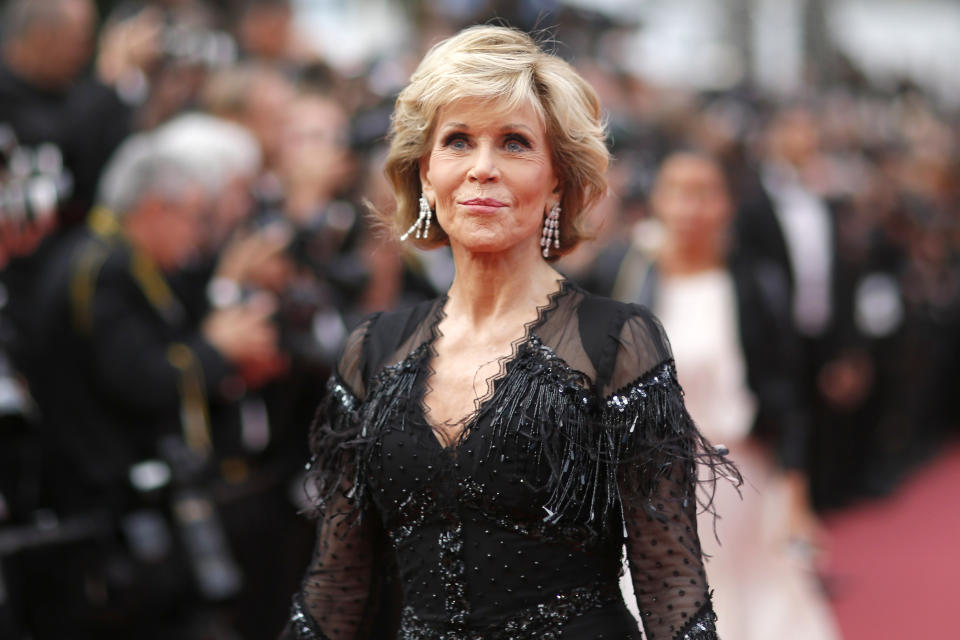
point(894, 565)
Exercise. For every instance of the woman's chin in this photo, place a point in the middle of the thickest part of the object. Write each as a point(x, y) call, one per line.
point(490, 247)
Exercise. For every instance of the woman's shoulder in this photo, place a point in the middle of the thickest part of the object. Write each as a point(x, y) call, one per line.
point(596, 309)
point(624, 340)
point(604, 321)
point(380, 334)
point(396, 325)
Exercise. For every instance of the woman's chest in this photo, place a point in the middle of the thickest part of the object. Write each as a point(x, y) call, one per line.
point(490, 466)
point(460, 374)
point(511, 454)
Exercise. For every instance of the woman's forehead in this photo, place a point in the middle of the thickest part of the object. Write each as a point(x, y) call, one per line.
point(489, 112)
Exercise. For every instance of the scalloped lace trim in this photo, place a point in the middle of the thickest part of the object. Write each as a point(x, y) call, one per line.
point(467, 421)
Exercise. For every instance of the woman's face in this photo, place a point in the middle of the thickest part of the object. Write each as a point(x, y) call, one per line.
point(489, 176)
point(690, 198)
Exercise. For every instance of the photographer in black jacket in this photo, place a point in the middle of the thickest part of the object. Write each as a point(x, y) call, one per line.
point(126, 390)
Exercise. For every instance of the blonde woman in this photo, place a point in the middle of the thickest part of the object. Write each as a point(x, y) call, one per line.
point(493, 445)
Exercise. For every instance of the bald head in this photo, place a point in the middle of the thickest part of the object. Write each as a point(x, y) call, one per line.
point(48, 42)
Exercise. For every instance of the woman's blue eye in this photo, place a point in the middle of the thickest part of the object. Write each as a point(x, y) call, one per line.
point(516, 144)
point(456, 142)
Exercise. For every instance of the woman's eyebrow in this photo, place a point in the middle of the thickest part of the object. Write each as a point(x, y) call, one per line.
point(510, 126)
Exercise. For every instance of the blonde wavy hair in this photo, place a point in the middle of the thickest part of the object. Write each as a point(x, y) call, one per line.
point(507, 67)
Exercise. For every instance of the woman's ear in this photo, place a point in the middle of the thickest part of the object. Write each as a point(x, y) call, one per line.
point(425, 185)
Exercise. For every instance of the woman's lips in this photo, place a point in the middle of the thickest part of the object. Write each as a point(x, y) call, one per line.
point(483, 205)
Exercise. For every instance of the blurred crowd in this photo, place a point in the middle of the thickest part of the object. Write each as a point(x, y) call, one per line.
point(186, 238)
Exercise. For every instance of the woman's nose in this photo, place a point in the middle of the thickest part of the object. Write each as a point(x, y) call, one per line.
point(484, 167)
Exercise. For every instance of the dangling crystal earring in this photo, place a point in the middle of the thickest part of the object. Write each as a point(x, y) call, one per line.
point(422, 223)
point(551, 230)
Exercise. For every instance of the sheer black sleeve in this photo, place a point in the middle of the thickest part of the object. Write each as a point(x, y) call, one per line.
point(336, 599)
point(661, 456)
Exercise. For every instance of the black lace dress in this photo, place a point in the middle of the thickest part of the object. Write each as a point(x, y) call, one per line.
point(517, 529)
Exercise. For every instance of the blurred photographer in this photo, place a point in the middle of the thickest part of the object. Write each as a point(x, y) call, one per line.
point(158, 55)
point(265, 31)
point(46, 98)
point(256, 96)
point(58, 127)
point(259, 438)
point(127, 387)
point(304, 192)
point(317, 171)
point(225, 160)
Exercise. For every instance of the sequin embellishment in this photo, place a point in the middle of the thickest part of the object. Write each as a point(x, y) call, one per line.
point(452, 569)
point(702, 626)
point(301, 624)
point(544, 621)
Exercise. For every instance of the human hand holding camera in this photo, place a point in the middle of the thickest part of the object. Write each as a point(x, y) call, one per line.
point(129, 46)
point(247, 338)
point(257, 258)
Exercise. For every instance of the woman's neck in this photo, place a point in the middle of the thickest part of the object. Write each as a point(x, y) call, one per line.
point(491, 286)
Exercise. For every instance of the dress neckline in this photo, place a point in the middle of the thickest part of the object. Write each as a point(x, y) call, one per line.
point(481, 403)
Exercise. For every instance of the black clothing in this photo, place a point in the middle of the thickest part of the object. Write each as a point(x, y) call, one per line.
point(118, 369)
point(516, 530)
point(85, 120)
point(837, 433)
point(757, 229)
point(758, 235)
point(120, 366)
point(771, 348)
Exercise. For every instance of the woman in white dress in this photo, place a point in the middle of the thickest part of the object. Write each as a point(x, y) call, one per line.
point(728, 319)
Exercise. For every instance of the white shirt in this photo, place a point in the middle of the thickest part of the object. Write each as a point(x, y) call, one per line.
point(699, 314)
point(808, 232)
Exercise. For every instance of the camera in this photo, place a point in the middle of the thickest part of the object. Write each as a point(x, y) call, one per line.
point(332, 278)
point(199, 46)
point(33, 180)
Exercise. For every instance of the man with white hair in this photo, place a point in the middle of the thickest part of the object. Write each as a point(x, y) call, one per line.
point(123, 370)
point(225, 157)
